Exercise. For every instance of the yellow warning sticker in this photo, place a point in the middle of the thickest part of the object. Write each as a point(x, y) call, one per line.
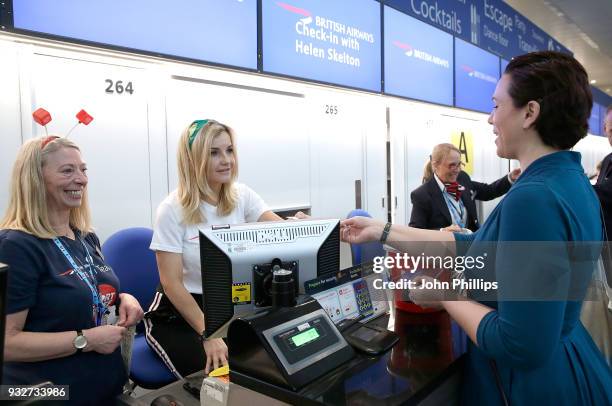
point(241, 293)
point(465, 142)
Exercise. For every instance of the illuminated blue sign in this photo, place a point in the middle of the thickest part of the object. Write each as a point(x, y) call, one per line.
point(222, 32)
point(418, 59)
point(490, 24)
point(500, 29)
point(503, 65)
point(476, 75)
point(449, 15)
point(329, 41)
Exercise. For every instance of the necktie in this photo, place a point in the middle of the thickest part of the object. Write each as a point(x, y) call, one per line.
point(454, 189)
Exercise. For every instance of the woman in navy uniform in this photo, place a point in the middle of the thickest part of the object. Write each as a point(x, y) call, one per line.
point(446, 199)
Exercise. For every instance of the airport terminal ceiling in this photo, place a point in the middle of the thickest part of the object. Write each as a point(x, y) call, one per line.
point(582, 26)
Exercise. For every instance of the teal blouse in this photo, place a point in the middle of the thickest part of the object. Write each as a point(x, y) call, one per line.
point(542, 352)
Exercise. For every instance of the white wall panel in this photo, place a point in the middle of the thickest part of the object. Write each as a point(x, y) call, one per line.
point(158, 154)
point(593, 149)
point(375, 186)
point(488, 167)
point(348, 141)
point(416, 128)
point(10, 121)
point(272, 142)
point(115, 145)
point(348, 135)
point(419, 128)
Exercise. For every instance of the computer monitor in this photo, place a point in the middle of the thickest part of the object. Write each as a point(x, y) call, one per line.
point(3, 276)
point(238, 260)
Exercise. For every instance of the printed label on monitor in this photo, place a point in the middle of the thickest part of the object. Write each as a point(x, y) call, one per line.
point(241, 293)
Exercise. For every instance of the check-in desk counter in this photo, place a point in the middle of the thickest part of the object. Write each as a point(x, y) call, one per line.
point(423, 368)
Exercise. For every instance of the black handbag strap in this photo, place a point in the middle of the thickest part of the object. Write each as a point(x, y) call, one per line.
point(606, 255)
point(498, 382)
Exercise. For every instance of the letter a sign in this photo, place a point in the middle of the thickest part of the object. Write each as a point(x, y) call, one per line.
point(464, 141)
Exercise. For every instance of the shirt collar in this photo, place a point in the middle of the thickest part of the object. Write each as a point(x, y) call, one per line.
point(439, 182)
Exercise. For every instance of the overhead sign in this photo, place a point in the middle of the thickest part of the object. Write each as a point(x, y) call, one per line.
point(500, 29)
point(476, 75)
point(503, 65)
point(223, 32)
point(490, 24)
point(329, 41)
point(418, 59)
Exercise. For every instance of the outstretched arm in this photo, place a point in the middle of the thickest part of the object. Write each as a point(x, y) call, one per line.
point(403, 238)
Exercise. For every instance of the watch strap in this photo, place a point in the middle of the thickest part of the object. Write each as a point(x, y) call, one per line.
point(385, 233)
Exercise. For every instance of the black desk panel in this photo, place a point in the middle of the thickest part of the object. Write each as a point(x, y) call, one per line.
point(423, 368)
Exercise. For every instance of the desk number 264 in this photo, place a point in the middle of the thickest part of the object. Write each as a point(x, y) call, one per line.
point(118, 87)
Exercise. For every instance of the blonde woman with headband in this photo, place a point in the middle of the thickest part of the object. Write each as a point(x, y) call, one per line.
point(207, 194)
point(61, 323)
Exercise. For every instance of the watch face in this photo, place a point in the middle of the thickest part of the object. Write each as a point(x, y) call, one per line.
point(80, 342)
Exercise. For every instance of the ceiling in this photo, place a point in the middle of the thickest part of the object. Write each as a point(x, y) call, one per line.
point(583, 26)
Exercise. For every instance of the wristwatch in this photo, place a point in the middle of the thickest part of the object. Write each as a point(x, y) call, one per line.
point(80, 341)
point(385, 233)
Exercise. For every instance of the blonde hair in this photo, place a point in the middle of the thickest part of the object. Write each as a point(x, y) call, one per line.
point(193, 165)
point(439, 153)
point(27, 210)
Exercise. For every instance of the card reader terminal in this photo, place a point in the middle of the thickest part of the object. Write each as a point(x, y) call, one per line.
point(372, 340)
point(287, 346)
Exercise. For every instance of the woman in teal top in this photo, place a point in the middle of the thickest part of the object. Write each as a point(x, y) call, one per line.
point(525, 350)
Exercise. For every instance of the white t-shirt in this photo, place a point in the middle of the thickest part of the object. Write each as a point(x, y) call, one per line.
point(171, 235)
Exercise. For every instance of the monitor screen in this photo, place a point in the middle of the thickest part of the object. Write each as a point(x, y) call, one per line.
point(238, 260)
point(328, 41)
point(223, 32)
point(595, 120)
point(476, 75)
point(418, 59)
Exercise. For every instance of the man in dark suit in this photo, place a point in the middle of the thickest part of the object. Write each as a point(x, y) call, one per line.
point(603, 187)
point(446, 200)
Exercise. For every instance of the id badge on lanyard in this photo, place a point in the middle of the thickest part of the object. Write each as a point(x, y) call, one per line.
point(456, 214)
point(88, 277)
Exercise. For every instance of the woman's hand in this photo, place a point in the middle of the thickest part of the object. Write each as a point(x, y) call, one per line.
point(453, 228)
point(216, 354)
point(104, 339)
point(130, 312)
point(360, 229)
point(514, 175)
point(429, 298)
